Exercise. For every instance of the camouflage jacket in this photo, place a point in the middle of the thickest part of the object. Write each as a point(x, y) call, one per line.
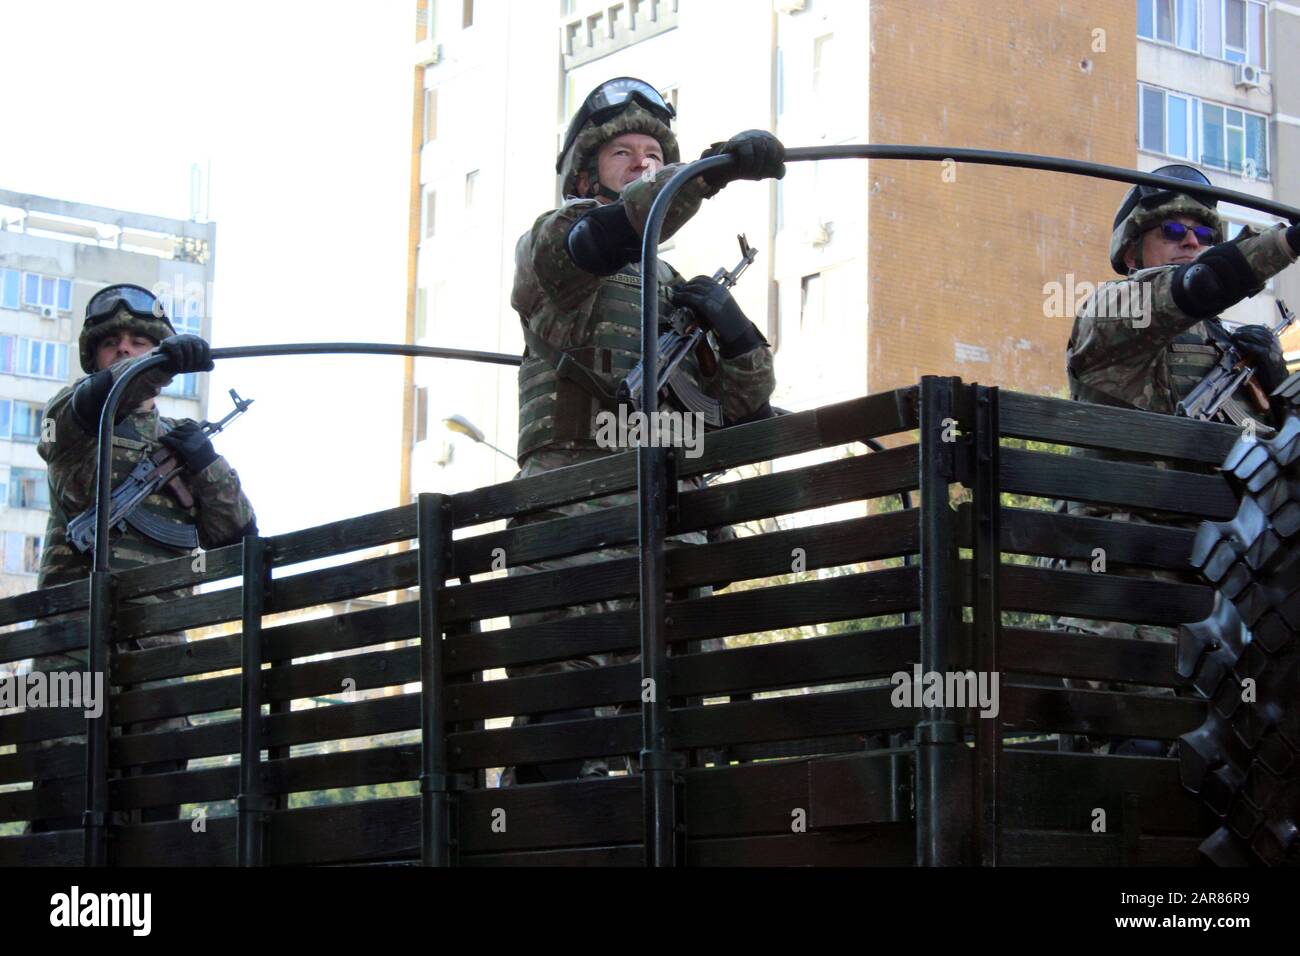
point(221, 512)
point(1123, 348)
point(1133, 347)
point(557, 301)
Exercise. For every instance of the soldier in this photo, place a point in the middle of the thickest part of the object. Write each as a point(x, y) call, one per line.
point(577, 291)
point(1147, 340)
point(122, 323)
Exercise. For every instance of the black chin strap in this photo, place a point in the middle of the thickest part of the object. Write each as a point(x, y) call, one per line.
point(604, 192)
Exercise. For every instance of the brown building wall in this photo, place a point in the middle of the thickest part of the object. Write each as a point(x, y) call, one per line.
point(966, 260)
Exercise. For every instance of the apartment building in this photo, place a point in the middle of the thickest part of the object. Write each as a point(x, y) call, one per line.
point(54, 255)
point(869, 275)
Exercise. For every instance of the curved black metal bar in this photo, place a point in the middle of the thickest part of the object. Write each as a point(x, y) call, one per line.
point(1054, 164)
point(104, 482)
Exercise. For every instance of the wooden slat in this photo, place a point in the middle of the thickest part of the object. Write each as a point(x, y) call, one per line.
point(339, 537)
point(1097, 426)
point(1067, 536)
point(851, 479)
point(854, 420)
point(73, 596)
point(822, 660)
point(1044, 790)
point(1085, 657)
point(219, 563)
point(1043, 710)
point(824, 546)
point(840, 598)
point(340, 632)
point(1108, 597)
point(54, 638)
point(1116, 483)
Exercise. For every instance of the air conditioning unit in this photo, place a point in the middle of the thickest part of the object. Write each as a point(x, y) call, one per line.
point(49, 312)
point(1246, 75)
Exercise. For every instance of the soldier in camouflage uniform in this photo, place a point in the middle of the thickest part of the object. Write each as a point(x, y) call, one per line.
point(1146, 341)
point(577, 290)
point(122, 323)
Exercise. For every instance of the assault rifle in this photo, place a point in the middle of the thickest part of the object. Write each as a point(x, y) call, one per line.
point(1232, 372)
point(148, 476)
point(677, 343)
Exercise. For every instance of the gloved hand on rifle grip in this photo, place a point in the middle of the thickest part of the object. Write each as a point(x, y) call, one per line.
point(1261, 348)
point(191, 445)
point(759, 155)
point(188, 353)
point(718, 311)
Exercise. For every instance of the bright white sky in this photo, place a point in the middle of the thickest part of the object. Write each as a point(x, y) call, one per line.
point(304, 109)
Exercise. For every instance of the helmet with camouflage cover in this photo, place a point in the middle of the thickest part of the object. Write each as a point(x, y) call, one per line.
point(1147, 206)
point(116, 308)
point(621, 105)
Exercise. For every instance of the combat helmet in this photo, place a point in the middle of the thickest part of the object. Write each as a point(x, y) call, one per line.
point(621, 105)
point(1147, 206)
point(117, 307)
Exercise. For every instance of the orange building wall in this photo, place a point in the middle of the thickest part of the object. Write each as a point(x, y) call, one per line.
point(966, 260)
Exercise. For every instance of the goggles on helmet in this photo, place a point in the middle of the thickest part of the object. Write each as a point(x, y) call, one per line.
point(608, 100)
point(1151, 196)
point(105, 304)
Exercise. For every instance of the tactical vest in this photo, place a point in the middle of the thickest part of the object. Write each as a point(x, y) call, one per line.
point(1188, 358)
point(558, 412)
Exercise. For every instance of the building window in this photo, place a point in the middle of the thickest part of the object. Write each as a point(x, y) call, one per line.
point(823, 50)
point(1236, 31)
point(6, 424)
point(51, 292)
point(430, 115)
point(467, 14)
point(186, 317)
point(22, 553)
point(28, 489)
point(9, 283)
point(26, 422)
point(430, 213)
point(1156, 20)
point(810, 302)
point(4, 485)
point(1234, 140)
point(34, 357)
point(1229, 139)
point(1233, 30)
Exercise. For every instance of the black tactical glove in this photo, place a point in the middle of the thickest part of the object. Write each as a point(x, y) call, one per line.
point(1293, 238)
point(188, 353)
point(88, 399)
point(1261, 348)
point(718, 311)
point(759, 155)
point(190, 444)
